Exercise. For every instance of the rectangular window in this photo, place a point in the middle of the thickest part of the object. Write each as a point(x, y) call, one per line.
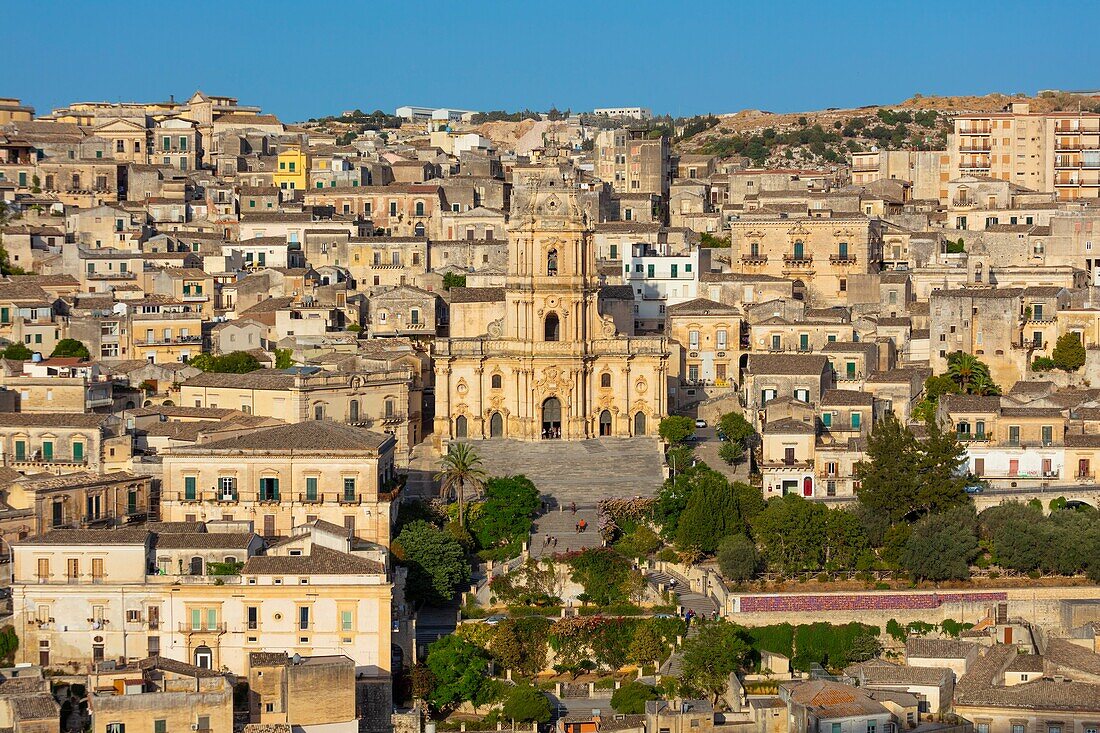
point(166, 143)
point(189, 488)
point(871, 726)
point(47, 450)
point(650, 270)
point(345, 620)
point(311, 488)
point(675, 270)
point(196, 618)
point(253, 617)
point(349, 489)
point(20, 450)
point(721, 339)
point(827, 419)
point(693, 339)
point(160, 726)
point(303, 618)
point(856, 419)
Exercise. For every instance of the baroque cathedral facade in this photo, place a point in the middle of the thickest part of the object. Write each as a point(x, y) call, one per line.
point(552, 355)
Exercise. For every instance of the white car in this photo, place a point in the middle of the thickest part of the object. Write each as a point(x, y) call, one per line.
point(700, 423)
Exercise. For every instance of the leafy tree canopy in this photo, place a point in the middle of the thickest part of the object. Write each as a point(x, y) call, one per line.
point(675, 429)
point(71, 348)
point(436, 563)
point(1069, 352)
point(630, 699)
point(510, 504)
point(460, 673)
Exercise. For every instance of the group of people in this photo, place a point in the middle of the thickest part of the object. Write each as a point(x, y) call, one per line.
point(551, 433)
point(550, 541)
point(582, 526)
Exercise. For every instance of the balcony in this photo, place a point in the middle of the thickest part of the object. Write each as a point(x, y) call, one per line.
point(754, 259)
point(865, 168)
point(218, 628)
point(350, 499)
point(842, 259)
point(1085, 477)
point(974, 146)
point(196, 339)
point(315, 499)
point(973, 437)
point(976, 130)
point(183, 498)
point(798, 263)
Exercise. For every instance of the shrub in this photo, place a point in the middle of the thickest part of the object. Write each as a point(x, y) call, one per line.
point(737, 558)
point(630, 699)
point(1042, 364)
point(1069, 353)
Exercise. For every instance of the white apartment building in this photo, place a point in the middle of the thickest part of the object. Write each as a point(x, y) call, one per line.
point(637, 113)
point(659, 279)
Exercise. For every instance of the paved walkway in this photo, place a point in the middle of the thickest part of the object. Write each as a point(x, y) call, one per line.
point(706, 450)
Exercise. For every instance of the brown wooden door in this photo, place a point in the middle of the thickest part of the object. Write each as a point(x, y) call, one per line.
point(1008, 635)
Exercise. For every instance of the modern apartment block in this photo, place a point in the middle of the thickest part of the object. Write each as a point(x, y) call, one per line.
point(1057, 151)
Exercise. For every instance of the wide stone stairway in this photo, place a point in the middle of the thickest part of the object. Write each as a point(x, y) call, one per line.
point(581, 471)
point(562, 528)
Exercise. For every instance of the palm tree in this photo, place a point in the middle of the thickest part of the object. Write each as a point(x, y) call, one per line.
point(460, 469)
point(983, 384)
point(965, 369)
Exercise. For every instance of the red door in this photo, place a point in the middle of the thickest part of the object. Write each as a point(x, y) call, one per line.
point(807, 486)
point(1013, 467)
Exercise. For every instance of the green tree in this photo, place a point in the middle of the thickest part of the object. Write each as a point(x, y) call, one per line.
point(521, 644)
point(942, 546)
point(9, 645)
point(648, 646)
point(603, 573)
point(737, 558)
point(203, 362)
point(527, 704)
point(737, 429)
point(236, 362)
point(1069, 352)
point(17, 352)
point(510, 504)
point(903, 478)
point(708, 658)
point(71, 348)
point(460, 469)
point(283, 359)
point(422, 681)
point(795, 534)
point(970, 373)
point(675, 429)
point(435, 560)
point(863, 647)
point(460, 671)
point(711, 513)
point(453, 280)
point(630, 699)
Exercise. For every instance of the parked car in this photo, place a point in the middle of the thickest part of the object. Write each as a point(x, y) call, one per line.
point(700, 422)
point(975, 489)
point(495, 619)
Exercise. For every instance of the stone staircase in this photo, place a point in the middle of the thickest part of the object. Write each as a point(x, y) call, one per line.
point(686, 599)
point(581, 471)
point(562, 527)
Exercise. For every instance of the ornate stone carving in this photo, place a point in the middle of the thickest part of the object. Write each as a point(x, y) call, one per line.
point(495, 328)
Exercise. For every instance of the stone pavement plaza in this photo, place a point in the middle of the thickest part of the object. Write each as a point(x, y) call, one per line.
point(581, 471)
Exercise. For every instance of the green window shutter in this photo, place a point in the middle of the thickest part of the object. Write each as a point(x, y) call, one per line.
point(47, 450)
point(211, 618)
point(189, 488)
point(311, 488)
point(856, 419)
point(196, 618)
point(78, 451)
point(827, 419)
point(275, 488)
point(5, 315)
point(345, 620)
point(674, 271)
point(349, 489)
point(20, 450)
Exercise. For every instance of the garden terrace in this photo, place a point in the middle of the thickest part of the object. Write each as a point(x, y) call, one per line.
point(859, 602)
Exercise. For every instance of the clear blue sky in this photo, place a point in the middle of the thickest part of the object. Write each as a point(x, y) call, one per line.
point(309, 59)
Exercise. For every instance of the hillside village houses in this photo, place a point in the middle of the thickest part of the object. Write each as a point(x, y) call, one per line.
point(173, 527)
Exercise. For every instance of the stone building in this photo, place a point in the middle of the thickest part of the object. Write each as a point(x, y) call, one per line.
point(549, 355)
point(819, 253)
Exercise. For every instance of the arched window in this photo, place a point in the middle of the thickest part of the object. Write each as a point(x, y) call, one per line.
point(353, 411)
point(552, 262)
point(639, 423)
point(418, 230)
point(420, 208)
point(605, 379)
point(552, 329)
point(389, 406)
point(605, 423)
point(460, 426)
point(319, 411)
point(196, 565)
point(495, 381)
point(496, 426)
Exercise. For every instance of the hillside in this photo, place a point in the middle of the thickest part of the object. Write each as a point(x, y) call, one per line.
point(828, 136)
